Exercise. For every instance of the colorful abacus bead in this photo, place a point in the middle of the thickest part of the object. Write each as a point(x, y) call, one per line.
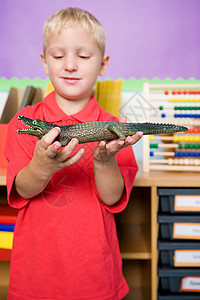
point(186, 138)
point(154, 146)
point(151, 137)
point(187, 116)
point(186, 154)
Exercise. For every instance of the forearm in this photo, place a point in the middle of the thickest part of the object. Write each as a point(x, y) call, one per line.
point(109, 181)
point(30, 181)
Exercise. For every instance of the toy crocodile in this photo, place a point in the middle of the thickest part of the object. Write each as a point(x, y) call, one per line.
point(95, 131)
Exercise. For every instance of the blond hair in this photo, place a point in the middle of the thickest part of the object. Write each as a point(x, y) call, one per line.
point(66, 17)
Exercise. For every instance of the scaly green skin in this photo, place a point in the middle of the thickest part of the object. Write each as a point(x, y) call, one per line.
point(95, 131)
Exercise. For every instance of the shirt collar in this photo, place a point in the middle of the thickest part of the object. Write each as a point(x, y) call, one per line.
point(53, 113)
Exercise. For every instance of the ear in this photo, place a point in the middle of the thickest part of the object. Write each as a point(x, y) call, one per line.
point(104, 64)
point(44, 63)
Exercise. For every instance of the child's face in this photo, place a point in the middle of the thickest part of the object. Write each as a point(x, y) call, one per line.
point(73, 62)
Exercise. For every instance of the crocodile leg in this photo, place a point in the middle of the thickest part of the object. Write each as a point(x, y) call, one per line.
point(117, 131)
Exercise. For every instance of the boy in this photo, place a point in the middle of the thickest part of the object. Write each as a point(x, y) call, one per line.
point(65, 243)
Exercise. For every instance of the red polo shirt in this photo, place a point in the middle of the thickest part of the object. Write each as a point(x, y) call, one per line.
point(65, 242)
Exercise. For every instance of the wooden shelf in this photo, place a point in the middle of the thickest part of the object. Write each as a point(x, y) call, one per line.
point(139, 294)
point(4, 279)
point(134, 240)
point(166, 178)
point(138, 276)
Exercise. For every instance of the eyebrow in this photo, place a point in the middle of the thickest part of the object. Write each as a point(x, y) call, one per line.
point(55, 48)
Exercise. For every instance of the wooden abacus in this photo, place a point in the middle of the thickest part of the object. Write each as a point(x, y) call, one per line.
point(177, 104)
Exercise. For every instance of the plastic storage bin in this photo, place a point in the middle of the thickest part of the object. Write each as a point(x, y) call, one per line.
point(170, 279)
point(179, 254)
point(176, 200)
point(179, 227)
point(176, 296)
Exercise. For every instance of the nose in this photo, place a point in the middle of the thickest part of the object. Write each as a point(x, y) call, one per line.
point(70, 63)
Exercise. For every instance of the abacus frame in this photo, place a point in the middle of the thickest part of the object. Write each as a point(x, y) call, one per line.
point(162, 164)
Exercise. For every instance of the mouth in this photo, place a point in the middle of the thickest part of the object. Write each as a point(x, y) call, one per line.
point(71, 80)
point(31, 128)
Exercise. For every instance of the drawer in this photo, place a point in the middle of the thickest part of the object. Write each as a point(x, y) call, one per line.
point(176, 200)
point(176, 296)
point(179, 280)
point(179, 254)
point(179, 227)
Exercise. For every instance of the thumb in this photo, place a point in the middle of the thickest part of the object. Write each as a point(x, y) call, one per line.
point(123, 119)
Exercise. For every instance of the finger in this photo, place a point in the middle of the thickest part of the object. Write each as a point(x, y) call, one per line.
point(105, 147)
point(115, 146)
point(53, 149)
point(48, 138)
point(102, 145)
point(73, 159)
point(123, 119)
point(131, 140)
point(65, 152)
point(100, 149)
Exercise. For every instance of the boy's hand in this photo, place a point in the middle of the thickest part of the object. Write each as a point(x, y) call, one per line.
point(105, 151)
point(50, 158)
point(47, 159)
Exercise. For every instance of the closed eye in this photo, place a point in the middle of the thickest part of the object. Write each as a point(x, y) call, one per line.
point(84, 56)
point(58, 57)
